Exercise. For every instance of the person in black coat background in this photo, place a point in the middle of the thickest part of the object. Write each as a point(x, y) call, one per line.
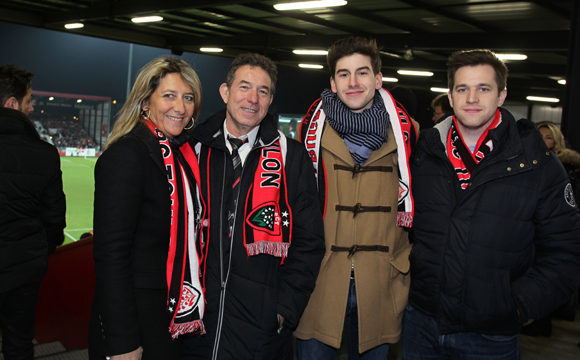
point(145, 182)
point(32, 212)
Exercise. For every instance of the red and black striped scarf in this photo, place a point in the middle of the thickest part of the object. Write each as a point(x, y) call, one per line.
point(185, 300)
point(462, 159)
point(268, 219)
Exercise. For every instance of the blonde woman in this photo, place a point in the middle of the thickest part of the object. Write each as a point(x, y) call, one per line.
point(148, 289)
point(570, 159)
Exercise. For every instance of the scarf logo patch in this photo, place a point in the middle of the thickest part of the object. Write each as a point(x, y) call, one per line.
point(569, 195)
point(403, 192)
point(266, 218)
point(189, 300)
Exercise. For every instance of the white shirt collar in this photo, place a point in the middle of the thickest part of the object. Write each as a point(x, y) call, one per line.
point(244, 149)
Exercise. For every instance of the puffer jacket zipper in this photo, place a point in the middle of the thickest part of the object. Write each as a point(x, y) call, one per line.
point(227, 272)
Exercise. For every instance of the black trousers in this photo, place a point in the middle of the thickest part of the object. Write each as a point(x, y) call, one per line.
point(17, 315)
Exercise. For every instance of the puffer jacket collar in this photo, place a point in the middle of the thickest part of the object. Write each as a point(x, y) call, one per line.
point(15, 122)
point(515, 147)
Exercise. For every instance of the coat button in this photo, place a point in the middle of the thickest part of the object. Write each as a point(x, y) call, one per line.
point(548, 153)
point(535, 162)
point(509, 169)
point(522, 165)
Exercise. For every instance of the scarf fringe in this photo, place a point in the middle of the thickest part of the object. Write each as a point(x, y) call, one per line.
point(186, 328)
point(405, 219)
point(268, 247)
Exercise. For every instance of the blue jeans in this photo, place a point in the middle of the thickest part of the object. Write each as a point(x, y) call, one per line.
point(421, 341)
point(315, 350)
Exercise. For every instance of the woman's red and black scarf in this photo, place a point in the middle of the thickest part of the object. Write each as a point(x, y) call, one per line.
point(462, 159)
point(185, 300)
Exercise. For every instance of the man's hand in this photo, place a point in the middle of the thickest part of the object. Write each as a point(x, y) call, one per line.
point(280, 322)
point(133, 355)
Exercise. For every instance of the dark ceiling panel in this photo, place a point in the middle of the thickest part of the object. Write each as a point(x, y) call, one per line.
point(430, 29)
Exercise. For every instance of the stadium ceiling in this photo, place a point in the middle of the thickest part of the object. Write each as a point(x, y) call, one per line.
point(414, 34)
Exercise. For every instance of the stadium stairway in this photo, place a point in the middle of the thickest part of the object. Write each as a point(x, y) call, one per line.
point(54, 351)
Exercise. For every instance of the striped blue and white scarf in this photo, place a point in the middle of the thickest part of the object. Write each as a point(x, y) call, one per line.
point(362, 132)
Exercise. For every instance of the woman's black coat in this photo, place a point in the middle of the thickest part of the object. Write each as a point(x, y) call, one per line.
point(131, 238)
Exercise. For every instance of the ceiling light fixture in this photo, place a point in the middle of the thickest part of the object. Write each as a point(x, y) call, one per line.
point(145, 19)
point(309, 5)
point(50, 98)
point(391, 54)
point(388, 79)
point(415, 73)
point(79, 101)
point(310, 66)
point(511, 56)
point(208, 49)
point(441, 90)
point(545, 99)
point(309, 52)
point(562, 82)
point(74, 25)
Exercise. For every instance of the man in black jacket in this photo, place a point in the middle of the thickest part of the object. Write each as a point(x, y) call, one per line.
point(264, 235)
point(497, 230)
point(32, 212)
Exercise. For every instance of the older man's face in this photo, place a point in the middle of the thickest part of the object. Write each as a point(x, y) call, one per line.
point(247, 100)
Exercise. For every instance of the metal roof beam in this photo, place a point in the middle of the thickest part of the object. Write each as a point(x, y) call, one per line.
point(132, 7)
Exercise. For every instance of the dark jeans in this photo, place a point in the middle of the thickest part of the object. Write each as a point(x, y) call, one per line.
point(17, 314)
point(315, 350)
point(421, 341)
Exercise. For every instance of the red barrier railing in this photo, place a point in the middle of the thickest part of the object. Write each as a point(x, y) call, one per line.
point(66, 294)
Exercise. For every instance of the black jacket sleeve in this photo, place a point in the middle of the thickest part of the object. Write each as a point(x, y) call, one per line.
point(297, 276)
point(53, 208)
point(553, 277)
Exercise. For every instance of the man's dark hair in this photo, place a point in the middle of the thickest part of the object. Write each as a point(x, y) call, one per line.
point(443, 101)
point(14, 82)
point(354, 45)
point(476, 57)
point(253, 60)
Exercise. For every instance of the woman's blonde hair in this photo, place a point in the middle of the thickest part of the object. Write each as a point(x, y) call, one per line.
point(146, 83)
point(559, 143)
point(566, 156)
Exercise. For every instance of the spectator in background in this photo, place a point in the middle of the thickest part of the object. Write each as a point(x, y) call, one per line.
point(32, 212)
point(570, 158)
point(440, 106)
point(148, 289)
point(292, 129)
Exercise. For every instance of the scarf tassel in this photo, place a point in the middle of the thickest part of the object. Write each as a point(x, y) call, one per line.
point(405, 219)
point(186, 328)
point(268, 247)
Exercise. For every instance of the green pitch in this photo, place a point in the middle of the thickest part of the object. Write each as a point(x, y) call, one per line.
point(79, 188)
